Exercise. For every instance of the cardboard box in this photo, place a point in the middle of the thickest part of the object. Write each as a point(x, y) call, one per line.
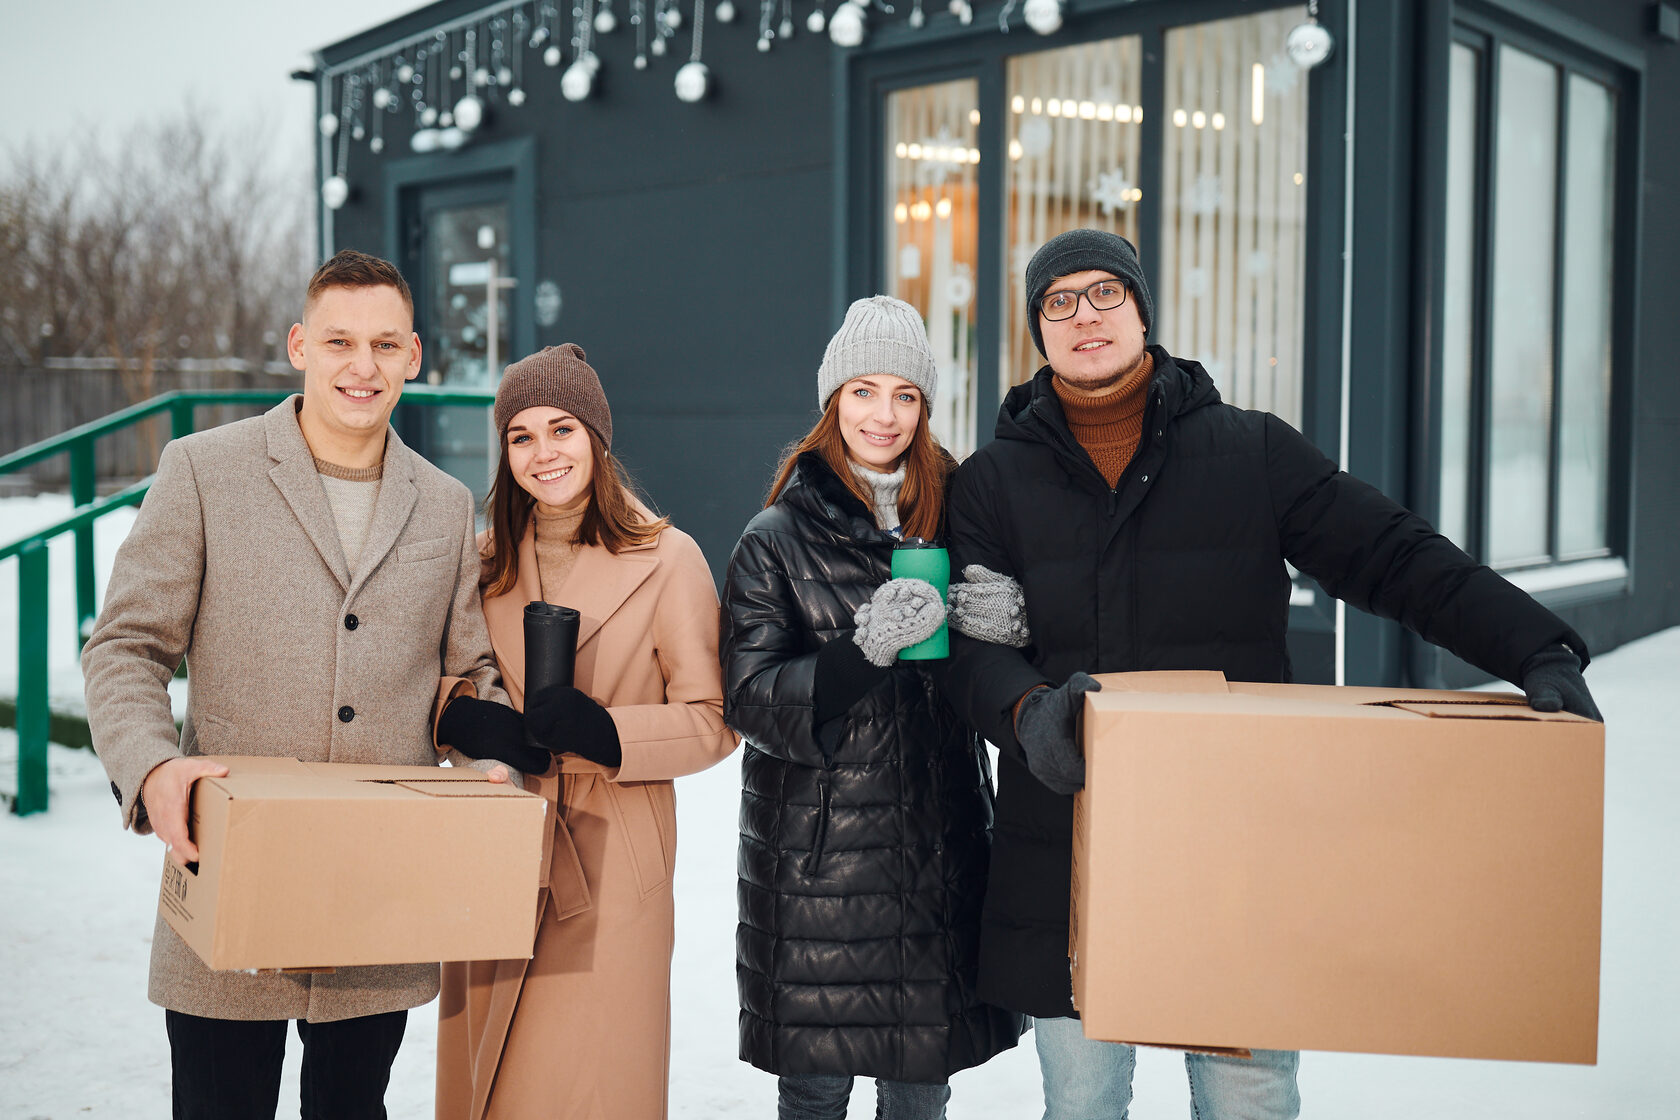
point(321, 865)
point(1303, 867)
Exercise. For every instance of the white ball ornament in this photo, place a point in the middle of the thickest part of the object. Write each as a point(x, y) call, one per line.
point(428, 117)
point(786, 29)
point(425, 140)
point(446, 119)
point(657, 47)
point(381, 98)
point(693, 80)
point(577, 81)
point(815, 22)
point(455, 73)
point(724, 12)
point(1044, 16)
point(481, 77)
point(917, 18)
point(376, 145)
point(516, 97)
point(552, 56)
point(641, 62)
point(847, 25)
point(450, 138)
point(763, 43)
point(593, 61)
point(673, 18)
point(605, 21)
point(504, 76)
point(358, 132)
point(329, 125)
point(469, 113)
point(335, 192)
point(405, 73)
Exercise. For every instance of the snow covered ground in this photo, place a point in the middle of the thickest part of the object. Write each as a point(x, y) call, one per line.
point(77, 899)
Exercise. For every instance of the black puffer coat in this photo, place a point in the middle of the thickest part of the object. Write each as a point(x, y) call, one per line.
point(1180, 566)
point(862, 872)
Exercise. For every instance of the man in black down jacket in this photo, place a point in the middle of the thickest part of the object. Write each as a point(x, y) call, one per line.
point(1148, 524)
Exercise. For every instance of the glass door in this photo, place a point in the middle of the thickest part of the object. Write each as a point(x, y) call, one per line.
point(460, 264)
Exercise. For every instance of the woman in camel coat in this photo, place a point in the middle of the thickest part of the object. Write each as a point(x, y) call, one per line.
point(583, 1029)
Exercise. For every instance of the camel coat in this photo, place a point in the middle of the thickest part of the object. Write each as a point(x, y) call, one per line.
point(234, 565)
point(582, 1030)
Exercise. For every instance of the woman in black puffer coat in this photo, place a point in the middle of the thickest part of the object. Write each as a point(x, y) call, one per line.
point(866, 805)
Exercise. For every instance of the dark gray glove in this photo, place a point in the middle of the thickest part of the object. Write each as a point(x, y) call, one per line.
point(901, 613)
point(1047, 727)
point(989, 606)
point(1552, 680)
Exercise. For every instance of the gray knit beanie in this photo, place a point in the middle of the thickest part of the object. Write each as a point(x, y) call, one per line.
point(880, 335)
point(1085, 250)
point(557, 377)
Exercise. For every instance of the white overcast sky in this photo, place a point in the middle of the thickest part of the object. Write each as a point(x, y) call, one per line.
point(75, 66)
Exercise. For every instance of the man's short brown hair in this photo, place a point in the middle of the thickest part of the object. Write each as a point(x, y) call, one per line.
point(351, 269)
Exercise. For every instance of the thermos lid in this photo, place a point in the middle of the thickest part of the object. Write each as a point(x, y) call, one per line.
point(540, 609)
point(917, 542)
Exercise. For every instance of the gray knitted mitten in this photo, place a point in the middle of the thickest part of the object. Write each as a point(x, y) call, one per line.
point(990, 607)
point(901, 613)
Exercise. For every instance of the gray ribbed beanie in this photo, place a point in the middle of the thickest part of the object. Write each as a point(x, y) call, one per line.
point(880, 335)
point(558, 377)
point(1084, 250)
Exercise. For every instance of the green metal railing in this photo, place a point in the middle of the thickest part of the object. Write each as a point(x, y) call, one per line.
point(31, 550)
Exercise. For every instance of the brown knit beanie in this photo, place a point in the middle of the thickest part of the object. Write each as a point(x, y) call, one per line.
point(556, 377)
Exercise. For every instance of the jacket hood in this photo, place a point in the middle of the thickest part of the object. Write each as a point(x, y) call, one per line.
point(1181, 384)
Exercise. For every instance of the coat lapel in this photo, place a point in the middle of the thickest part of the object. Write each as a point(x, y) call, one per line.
point(295, 477)
point(391, 510)
point(598, 584)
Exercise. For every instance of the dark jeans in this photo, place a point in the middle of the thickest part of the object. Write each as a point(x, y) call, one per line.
point(818, 1096)
point(229, 1069)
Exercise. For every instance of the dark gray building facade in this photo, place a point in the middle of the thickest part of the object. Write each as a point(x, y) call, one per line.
point(1438, 237)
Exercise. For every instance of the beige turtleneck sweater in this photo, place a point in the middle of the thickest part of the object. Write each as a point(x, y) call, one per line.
point(351, 492)
point(1108, 423)
point(557, 544)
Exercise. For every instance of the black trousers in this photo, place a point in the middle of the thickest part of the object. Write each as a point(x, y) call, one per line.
point(229, 1069)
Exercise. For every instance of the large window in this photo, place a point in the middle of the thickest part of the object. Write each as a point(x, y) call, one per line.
point(1527, 366)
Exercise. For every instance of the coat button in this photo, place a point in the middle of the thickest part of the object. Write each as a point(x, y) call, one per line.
point(346, 714)
point(351, 622)
point(1144, 479)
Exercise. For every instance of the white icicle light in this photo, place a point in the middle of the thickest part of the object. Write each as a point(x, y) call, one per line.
point(577, 82)
point(469, 113)
point(815, 22)
point(724, 12)
point(381, 98)
point(605, 21)
point(673, 18)
point(552, 56)
point(693, 80)
point(335, 192)
point(516, 97)
point(329, 124)
point(846, 27)
point(1044, 16)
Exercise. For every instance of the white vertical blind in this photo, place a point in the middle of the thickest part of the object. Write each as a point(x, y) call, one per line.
point(931, 232)
point(1233, 208)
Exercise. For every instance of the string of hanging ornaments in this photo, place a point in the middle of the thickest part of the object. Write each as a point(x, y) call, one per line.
point(450, 78)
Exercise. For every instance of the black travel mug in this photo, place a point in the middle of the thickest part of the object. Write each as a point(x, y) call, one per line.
point(551, 635)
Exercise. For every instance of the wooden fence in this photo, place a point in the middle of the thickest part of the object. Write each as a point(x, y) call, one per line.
point(38, 403)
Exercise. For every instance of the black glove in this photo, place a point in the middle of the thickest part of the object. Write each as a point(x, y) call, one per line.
point(1552, 680)
point(565, 719)
point(484, 729)
point(1047, 727)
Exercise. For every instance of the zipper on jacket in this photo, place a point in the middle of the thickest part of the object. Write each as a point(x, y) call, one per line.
point(813, 859)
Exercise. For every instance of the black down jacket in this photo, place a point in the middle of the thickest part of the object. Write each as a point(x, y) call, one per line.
point(1180, 566)
point(862, 872)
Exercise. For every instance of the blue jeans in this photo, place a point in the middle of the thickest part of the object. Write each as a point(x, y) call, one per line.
point(1087, 1080)
point(822, 1096)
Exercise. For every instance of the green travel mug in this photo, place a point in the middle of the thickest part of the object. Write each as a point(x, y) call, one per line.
point(915, 558)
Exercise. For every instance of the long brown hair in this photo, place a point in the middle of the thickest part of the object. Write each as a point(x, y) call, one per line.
point(613, 518)
point(921, 501)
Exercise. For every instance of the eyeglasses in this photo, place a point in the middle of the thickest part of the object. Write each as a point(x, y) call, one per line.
point(1104, 295)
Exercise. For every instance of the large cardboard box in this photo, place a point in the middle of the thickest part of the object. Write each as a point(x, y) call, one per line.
point(1304, 867)
point(322, 865)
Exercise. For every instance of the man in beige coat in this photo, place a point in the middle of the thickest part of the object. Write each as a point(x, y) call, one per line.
point(321, 582)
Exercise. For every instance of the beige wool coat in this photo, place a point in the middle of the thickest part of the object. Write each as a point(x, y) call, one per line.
point(582, 1031)
point(234, 564)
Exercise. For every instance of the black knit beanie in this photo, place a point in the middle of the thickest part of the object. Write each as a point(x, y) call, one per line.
point(1084, 250)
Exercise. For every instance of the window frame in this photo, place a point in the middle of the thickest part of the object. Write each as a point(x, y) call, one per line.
point(1574, 49)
